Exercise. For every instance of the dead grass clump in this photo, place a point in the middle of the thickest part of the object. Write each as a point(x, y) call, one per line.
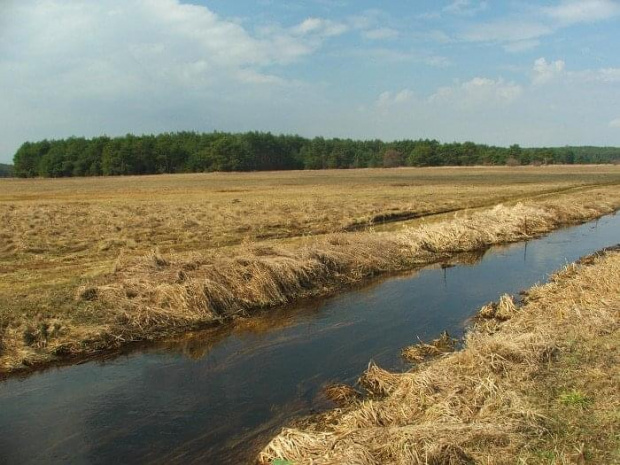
point(501, 311)
point(87, 293)
point(341, 394)
point(448, 454)
point(420, 351)
point(377, 381)
point(157, 259)
point(484, 404)
point(41, 332)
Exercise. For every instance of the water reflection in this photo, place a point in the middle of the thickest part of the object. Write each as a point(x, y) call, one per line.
point(197, 345)
point(218, 395)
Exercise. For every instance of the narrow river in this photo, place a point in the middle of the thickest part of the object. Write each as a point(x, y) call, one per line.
point(217, 396)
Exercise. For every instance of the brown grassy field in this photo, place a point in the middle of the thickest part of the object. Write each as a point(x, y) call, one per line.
point(88, 264)
point(537, 383)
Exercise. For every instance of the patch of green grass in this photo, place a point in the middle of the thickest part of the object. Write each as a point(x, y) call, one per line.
point(575, 398)
point(546, 456)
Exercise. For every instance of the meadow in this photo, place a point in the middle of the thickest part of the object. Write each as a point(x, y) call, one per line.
point(88, 264)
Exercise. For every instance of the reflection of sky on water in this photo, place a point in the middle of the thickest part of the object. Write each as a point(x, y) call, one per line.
point(207, 398)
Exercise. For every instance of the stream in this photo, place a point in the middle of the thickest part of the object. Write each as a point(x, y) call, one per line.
point(217, 396)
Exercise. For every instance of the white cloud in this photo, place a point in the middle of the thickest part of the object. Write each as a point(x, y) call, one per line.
point(438, 61)
point(578, 11)
point(465, 7)
point(429, 15)
point(374, 24)
point(501, 111)
point(369, 19)
point(521, 45)
point(507, 30)
point(603, 75)
point(404, 96)
point(321, 27)
point(523, 31)
point(161, 41)
point(382, 33)
point(392, 56)
point(114, 66)
point(615, 123)
point(544, 71)
point(387, 99)
point(478, 92)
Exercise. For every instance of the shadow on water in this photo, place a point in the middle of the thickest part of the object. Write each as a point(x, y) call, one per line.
point(217, 396)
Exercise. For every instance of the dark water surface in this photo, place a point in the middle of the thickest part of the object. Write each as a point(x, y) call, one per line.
point(218, 396)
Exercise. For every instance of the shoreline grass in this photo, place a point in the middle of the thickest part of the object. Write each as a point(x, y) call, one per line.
point(67, 302)
point(535, 383)
point(154, 296)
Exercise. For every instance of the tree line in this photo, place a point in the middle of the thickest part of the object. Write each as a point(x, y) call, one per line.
point(6, 171)
point(183, 152)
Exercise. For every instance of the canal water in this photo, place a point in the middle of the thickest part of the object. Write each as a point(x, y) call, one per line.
point(218, 396)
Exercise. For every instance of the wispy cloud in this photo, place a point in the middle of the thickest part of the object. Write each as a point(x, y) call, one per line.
point(578, 11)
point(507, 30)
point(521, 45)
point(393, 56)
point(381, 33)
point(478, 91)
point(387, 100)
point(321, 27)
point(615, 123)
point(465, 7)
point(524, 29)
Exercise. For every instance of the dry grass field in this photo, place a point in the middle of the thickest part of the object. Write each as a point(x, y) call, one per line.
point(533, 384)
point(91, 263)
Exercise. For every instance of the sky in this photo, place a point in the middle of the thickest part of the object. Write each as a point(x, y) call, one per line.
point(536, 73)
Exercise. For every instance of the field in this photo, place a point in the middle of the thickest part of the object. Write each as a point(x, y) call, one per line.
point(91, 263)
point(536, 383)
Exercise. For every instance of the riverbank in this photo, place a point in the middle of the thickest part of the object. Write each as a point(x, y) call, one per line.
point(155, 296)
point(534, 383)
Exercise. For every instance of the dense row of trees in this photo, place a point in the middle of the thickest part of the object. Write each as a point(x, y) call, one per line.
point(253, 151)
point(6, 171)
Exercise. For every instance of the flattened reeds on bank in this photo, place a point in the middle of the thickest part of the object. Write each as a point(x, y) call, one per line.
point(156, 295)
point(157, 292)
point(539, 384)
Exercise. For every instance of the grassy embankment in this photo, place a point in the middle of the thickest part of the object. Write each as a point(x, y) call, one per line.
point(539, 383)
point(90, 264)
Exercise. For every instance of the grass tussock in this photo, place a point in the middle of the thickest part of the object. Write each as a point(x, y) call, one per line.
point(341, 394)
point(421, 351)
point(540, 387)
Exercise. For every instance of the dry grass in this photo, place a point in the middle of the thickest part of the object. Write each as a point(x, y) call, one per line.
point(89, 264)
point(420, 351)
point(341, 394)
point(538, 385)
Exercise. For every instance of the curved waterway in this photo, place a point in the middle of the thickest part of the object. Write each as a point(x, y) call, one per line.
point(218, 396)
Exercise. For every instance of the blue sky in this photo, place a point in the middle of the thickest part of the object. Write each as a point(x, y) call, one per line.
point(533, 73)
